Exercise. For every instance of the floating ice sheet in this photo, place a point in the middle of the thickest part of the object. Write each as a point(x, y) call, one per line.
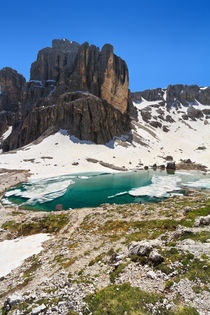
point(161, 187)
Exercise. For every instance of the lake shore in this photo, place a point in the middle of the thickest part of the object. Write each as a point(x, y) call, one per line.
point(89, 251)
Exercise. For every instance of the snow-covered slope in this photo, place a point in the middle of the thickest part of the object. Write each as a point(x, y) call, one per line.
point(13, 252)
point(181, 131)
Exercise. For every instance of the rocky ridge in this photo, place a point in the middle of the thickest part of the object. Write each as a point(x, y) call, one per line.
point(161, 107)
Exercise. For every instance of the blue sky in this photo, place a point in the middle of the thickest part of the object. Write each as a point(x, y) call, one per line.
point(163, 42)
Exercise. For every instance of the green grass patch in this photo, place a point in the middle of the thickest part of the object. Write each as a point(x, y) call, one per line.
point(48, 224)
point(113, 275)
point(34, 266)
point(96, 259)
point(124, 299)
point(190, 267)
point(198, 236)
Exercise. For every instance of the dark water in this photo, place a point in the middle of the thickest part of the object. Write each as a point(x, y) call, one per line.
point(93, 189)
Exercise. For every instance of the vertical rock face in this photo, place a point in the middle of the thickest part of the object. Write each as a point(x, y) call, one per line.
point(52, 61)
point(11, 85)
point(114, 87)
point(82, 114)
point(84, 68)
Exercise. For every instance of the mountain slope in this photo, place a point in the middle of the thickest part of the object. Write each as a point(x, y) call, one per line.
point(63, 153)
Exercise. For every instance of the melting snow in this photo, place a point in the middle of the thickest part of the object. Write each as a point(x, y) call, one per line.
point(14, 252)
point(42, 190)
point(7, 133)
point(161, 187)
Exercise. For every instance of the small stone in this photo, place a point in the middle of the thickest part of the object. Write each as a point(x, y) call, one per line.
point(151, 274)
point(38, 309)
point(168, 306)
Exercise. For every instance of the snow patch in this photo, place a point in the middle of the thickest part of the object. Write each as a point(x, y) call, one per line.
point(14, 252)
point(7, 133)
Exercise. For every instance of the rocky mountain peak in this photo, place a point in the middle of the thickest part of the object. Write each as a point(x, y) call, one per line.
point(64, 44)
point(67, 67)
point(84, 68)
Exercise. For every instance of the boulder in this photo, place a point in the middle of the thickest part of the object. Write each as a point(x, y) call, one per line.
point(171, 166)
point(142, 248)
point(155, 257)
point(12, 300)
point(202, 221)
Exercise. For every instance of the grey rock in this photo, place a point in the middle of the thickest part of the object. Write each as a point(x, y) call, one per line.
point(155, 257)
point(202, 221)
point(142, 248)
point(171, 166)
point(14, 299)
point(38, 309)
point(152, 275)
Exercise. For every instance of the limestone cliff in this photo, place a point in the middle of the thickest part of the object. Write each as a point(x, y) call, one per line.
point(33, 107)
point(84, 115)
point(84, 68)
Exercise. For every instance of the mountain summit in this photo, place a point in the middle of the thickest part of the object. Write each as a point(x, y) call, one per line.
point(72, 86)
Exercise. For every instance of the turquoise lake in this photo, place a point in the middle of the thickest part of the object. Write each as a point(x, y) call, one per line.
point(94, 189)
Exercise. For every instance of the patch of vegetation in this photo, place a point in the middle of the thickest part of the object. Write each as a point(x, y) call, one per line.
point(24, 307)
point(48, 224)
point(14, 213)
point(69, 262)
point(198, 269)
point(124, 299)
point(65, 262)
point(199, 236)
point(12, 226)
point(191, 216)
point(143, 260)
point(34, 266)
point(100, 257)
point(186, 310)
point(113, 275)
point(169, 284)
point(96, 259)
point(189, 267)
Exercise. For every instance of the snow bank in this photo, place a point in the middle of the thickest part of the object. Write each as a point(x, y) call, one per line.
point(13, 252)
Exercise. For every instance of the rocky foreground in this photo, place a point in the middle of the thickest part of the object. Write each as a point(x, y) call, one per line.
point(114, 259)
